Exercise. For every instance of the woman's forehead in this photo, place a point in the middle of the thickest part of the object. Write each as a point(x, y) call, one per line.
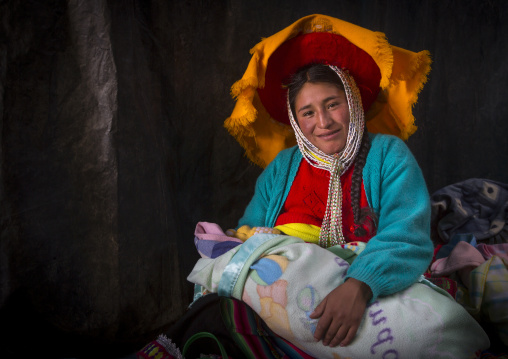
point(319, 89)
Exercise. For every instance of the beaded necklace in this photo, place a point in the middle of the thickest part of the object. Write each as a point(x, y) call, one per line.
point(331, 229)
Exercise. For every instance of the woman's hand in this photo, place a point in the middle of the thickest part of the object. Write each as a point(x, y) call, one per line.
point(341, 313)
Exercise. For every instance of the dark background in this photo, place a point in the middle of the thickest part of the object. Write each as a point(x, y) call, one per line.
point(113, 146)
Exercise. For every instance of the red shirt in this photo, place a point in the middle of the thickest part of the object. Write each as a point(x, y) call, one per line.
point(306, 201)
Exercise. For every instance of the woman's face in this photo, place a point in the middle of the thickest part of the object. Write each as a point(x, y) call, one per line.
point(323, 115)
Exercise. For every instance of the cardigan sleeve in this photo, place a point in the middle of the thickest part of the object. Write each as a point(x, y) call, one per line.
point(256, 211)
point(401, 250)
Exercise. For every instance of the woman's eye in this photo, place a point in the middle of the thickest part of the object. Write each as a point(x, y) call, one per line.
point(332, 105)
point(307, 113)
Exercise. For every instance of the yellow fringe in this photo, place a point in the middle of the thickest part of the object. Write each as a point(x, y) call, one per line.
point(240, 85)
point(384, 59)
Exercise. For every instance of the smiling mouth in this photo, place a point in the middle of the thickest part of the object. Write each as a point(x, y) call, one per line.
point(329, 134)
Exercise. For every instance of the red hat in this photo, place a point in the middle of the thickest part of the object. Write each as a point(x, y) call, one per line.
point(316, 47)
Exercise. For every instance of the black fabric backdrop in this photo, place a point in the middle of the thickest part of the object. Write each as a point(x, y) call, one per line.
point(112, 145)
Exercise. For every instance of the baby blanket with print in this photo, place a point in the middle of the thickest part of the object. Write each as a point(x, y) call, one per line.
point(283, 279)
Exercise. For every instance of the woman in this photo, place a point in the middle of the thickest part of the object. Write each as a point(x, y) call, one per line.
point(329, 127)
point(318, 84)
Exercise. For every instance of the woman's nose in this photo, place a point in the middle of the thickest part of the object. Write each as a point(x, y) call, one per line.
point(323, 119)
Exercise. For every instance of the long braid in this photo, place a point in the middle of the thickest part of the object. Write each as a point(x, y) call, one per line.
point(359, 215)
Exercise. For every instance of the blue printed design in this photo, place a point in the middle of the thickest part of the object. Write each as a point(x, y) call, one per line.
point(268, 270)
point(308, 299)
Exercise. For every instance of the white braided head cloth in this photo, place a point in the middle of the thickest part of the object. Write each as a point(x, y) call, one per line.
point(331, 228)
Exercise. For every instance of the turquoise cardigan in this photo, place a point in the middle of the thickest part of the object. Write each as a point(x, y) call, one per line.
point(401, 250)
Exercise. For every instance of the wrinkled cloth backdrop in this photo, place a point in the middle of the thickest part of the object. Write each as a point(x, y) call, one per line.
point(113, 146)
